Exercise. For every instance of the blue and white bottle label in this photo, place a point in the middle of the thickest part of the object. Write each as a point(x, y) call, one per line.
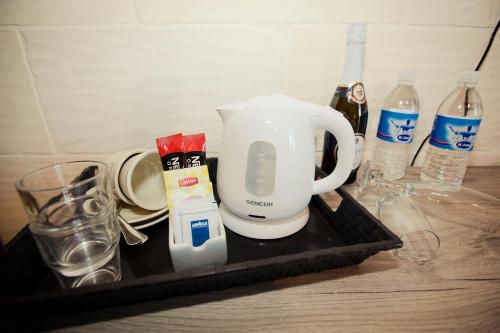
point(397, 127)
point(454, 133)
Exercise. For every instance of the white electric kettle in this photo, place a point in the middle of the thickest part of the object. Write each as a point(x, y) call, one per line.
point(265, 175)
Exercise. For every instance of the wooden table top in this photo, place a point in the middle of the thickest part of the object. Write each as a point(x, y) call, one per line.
point(459, 291)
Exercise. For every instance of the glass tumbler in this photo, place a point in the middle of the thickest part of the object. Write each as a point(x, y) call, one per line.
point(398, 210)
point(73, 218)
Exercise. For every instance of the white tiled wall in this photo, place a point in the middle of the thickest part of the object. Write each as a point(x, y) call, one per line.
point(87, 77)
point(106, 89)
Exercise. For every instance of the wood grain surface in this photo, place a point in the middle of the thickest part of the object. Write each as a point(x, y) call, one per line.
point(456, 292)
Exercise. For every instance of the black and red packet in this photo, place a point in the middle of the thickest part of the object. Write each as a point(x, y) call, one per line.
point(194, 150)
point(178, 151)
point(171, 149)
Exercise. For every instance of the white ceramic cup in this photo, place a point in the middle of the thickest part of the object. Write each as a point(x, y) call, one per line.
point(115, 163)
point(141, 180)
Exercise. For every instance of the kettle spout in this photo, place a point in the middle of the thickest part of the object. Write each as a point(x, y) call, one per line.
point(225, 111)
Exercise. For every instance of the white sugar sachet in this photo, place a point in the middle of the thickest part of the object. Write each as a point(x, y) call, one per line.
point(195, 221)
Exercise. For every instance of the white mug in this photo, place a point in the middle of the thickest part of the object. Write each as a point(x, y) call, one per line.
point(141, 180)
point(115, 163)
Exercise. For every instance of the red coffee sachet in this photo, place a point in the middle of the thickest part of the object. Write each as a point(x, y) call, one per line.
point(171, 149)
point(194, 150)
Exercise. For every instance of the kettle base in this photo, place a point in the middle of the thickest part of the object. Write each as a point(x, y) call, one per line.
point(267, 229)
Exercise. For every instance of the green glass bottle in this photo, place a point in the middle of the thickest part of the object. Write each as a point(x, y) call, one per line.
point(350, 100)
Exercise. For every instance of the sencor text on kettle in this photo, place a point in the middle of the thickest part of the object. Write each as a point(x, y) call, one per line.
point(259, 203)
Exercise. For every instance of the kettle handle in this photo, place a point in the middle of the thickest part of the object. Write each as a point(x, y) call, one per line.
point(334, 122)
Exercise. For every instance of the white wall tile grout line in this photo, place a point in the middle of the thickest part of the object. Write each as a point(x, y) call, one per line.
point(407, 13)
point(134, 13)
point(54, 147)
point(288, 55)
point(51, 156)
point(136, 23)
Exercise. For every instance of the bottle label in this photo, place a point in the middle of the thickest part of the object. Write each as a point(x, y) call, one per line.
point(454, 133)
point(359, 144)
point(356, 93)
point(397, 127)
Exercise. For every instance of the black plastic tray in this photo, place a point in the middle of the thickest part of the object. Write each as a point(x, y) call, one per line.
point(330, 239)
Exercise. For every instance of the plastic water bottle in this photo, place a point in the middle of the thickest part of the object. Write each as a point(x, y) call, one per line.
point(453, 134)
point(397, 122)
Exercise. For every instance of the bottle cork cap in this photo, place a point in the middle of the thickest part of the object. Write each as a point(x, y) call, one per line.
point(356, 33)
point(407, 76)
point(468, 77)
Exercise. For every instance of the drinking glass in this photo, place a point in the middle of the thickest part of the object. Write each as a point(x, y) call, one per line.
point(72, 216)
point(398, 210)
point(402, 215)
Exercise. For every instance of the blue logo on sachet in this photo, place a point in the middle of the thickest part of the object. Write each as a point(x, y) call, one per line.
point(396, 126)
point(199, 232)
